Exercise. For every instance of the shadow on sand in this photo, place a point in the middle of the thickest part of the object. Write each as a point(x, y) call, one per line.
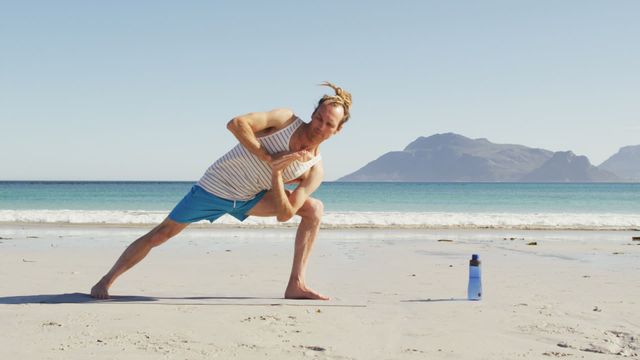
point(436, 300)
point(80, 298)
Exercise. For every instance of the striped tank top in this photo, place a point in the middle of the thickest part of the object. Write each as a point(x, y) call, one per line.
point(240, 175)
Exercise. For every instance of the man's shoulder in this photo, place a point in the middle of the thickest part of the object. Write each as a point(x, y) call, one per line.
point(281, 118)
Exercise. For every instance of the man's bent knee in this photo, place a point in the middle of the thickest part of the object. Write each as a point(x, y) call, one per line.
point(165, 231)
point(312, 210)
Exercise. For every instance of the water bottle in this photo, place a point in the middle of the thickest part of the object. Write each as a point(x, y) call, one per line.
point(474, 292)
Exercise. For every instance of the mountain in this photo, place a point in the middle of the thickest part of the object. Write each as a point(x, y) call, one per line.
point(625, 163)
point(565, 166)
point(454, 158)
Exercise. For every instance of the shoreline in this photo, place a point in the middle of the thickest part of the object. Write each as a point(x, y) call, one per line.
point(129, 232)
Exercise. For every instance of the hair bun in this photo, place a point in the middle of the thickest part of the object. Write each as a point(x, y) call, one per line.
point(342, 96)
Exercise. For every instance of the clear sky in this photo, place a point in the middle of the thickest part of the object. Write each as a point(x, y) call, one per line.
point(142, 90)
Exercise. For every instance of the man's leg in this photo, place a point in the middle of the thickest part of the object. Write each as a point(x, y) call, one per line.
point(136, 252)
point(311, 214)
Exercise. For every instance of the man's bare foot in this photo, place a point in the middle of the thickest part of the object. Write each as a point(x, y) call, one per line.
point(100, 290)
point(297, 291)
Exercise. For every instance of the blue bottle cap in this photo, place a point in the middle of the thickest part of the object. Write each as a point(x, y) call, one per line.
point(475, 257)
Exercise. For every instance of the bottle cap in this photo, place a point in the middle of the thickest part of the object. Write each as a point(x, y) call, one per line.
point(474, 257)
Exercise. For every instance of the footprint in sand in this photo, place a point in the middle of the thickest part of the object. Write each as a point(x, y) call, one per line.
point(616, 343)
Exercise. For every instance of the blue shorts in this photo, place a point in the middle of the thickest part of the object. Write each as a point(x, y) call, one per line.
point(199, 204)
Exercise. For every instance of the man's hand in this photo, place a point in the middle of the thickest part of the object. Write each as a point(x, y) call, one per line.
point(280, 161)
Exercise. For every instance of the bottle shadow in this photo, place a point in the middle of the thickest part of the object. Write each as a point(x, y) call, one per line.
point(436, 300)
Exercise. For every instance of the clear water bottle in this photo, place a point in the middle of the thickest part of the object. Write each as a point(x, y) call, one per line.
point(474, 291)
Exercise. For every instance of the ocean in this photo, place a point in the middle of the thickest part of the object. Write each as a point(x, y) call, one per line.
point(347, 204)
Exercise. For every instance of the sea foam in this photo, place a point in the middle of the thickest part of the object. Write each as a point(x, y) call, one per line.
point(428, 220)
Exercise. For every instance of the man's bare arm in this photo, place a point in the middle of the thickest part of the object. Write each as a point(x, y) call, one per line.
point(245, 127)
point(287, 206)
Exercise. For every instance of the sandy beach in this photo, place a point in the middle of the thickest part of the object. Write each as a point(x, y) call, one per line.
point(216, 292)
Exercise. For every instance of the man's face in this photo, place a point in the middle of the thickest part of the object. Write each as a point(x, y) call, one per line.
point(325, 121)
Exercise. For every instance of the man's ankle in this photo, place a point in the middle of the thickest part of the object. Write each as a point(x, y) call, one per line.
point(295, 280)
point(106, 281)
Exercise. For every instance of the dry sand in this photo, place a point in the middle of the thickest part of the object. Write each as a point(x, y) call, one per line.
point(396, 294)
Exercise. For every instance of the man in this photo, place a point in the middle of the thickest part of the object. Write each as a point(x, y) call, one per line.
point(275, 148)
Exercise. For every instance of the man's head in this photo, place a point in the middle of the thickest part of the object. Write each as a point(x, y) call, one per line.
point(331, 113)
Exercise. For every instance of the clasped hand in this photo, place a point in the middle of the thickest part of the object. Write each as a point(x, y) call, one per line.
point(280, 161)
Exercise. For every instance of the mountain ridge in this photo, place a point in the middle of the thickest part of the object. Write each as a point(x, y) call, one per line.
point(450, 157)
